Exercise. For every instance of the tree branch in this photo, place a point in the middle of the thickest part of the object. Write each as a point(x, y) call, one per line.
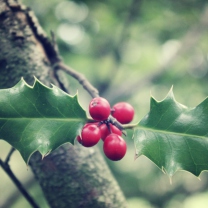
point(9, 172)
point(70, 176)
point(51, 50)
point(9, 155)
point(78, 76)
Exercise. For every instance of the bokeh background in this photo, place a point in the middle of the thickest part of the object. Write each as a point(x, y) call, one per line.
point(129, 50)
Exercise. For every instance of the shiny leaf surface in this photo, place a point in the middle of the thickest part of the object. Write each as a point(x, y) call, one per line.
point(174, 136)
point(38, 118)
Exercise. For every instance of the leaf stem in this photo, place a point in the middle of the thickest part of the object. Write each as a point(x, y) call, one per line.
point(112, 120)
point(9, 172)
point(129, 126)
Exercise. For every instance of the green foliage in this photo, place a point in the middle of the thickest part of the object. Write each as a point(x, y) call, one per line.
point(38, 118)
point(174, 136)
point(41, 119)
point(154, 32)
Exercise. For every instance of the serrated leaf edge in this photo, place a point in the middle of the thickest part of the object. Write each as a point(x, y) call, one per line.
point(170, 94)
point(36, 81)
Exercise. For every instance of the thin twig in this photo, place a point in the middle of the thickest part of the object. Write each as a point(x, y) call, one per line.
point(115, 122)
point(52, 53)
point(14, 195)
point(9, 172)
point(9, 155)
point(60, 83)
point(86, 85)
point(78, 76)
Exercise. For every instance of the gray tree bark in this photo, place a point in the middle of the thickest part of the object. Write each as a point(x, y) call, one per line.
point(71, 176)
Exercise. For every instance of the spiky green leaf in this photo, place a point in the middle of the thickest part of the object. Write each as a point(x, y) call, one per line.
point(174, 136)
point(38, 118)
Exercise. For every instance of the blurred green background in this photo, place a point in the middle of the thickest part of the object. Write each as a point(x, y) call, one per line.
point(129, 50)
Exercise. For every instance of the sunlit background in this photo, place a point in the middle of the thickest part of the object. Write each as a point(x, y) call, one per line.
point(129, 50)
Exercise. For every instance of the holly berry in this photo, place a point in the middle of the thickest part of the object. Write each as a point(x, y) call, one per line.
point(93, 123)
point(123, 112)
point(114, 147)
point(99, 109)
point(90, 135)
point(79, 139)
point(105, 131)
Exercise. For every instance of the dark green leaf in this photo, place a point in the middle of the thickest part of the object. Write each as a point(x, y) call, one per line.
point(174, 136)
point(38, 118)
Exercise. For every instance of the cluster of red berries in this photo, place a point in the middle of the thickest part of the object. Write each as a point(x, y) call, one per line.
point(114, 146)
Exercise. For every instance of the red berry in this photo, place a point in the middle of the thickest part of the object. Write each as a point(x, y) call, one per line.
point(90, 135)
point(123, 112)
point(93, 123)
point(114, 147)
point(99, 108)
point(105, 131)
point(79, 139)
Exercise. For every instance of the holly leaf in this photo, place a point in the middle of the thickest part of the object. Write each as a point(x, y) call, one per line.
point(174, 136)
point(38, 118)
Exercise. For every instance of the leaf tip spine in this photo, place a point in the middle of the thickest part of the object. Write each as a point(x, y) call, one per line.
point(37, 82)
point(22, 79)
point(152, 97)
point(135, 156)
point(22, 82)
point(27, 158)
point(170, 93)
point(35, 78)
point(170, 180)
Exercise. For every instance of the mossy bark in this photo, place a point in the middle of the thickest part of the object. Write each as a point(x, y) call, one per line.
point(71, 176)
